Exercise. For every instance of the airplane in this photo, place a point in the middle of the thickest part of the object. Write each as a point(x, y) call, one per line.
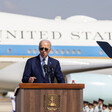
point(74, 44)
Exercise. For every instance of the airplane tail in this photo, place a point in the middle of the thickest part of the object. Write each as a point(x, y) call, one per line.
point(106, 48)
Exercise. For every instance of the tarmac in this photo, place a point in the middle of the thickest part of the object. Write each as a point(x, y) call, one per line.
point(5, 104)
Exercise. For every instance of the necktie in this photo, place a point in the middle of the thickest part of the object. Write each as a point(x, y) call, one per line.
point(99, 108)
point(43, 63)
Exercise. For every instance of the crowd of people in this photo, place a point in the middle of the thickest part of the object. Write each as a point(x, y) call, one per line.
point(96, 106)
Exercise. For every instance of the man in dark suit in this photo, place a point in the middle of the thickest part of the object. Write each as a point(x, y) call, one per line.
point(42, 68)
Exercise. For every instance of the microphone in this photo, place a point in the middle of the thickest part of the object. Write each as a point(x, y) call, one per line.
point(52, 69)
point(45, 68)
point(46, 72)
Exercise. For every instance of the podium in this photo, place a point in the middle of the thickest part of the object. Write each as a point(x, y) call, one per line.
point(47, 97)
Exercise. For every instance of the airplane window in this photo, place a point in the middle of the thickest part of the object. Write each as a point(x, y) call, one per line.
point(68, 51)
point(79, 52)
point(51, 51)
point(9, 50)
point(62, 51)
point(73, 51)
point(57, 51)
point(29, 51)
point(34, 51)
point(101, 52)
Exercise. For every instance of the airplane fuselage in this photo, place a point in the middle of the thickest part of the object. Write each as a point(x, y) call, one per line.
point(73, 44)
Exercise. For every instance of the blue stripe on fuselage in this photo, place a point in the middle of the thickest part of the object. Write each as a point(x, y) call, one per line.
point(32, 50)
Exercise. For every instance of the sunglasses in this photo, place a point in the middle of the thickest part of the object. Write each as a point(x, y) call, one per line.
point(42, 48)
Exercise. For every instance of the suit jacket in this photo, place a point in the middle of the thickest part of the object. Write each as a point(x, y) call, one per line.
point(33, 69)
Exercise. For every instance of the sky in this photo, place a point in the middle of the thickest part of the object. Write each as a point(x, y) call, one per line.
point(98, 9)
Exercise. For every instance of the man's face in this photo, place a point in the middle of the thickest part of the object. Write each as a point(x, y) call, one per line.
point(104, 108)
point(100, 102)
point(90, 106)
point(110, 107)
point(95, 104)
point(85, 104)
point(44, 49)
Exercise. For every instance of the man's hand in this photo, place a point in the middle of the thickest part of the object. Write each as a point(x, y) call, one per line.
point(31, 79)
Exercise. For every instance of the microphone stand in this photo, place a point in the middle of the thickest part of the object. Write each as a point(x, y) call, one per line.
point(52, 70)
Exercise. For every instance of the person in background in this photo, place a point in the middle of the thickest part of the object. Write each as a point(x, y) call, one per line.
point(104, 108)
point(43, 68)
point(95, 106)
point(110, 107)
point(100, 104)
point(85, 106)
point(91, 107)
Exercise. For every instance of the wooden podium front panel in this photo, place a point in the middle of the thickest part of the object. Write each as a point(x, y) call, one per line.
point(49, 100)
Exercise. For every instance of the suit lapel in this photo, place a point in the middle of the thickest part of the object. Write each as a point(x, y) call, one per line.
point(49, 64)
point(39, 65)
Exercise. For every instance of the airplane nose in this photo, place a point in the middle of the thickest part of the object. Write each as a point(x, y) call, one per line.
point(96, 85)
